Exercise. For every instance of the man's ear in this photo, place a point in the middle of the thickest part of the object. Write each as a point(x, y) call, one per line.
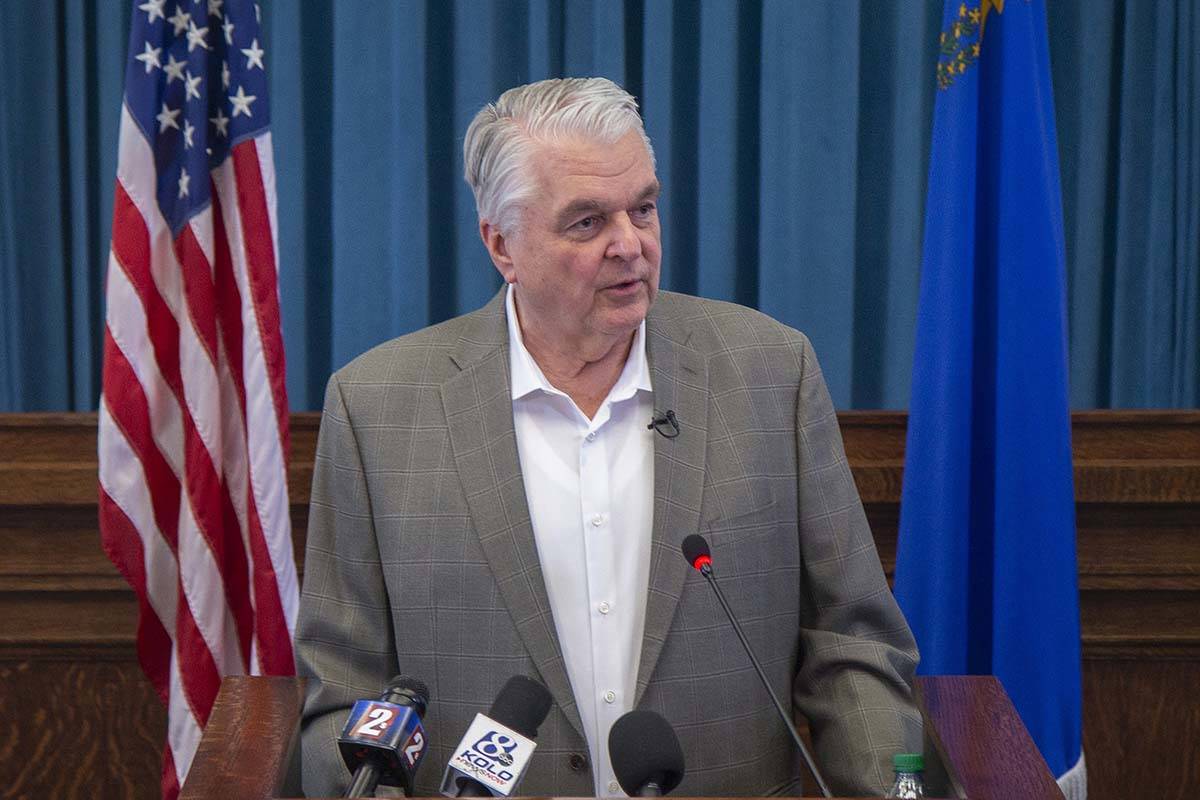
point(497, 246)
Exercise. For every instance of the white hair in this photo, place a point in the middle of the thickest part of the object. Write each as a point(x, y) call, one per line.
point(502, 137)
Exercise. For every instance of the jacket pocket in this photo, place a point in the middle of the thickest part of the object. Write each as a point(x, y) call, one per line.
point(736, 503)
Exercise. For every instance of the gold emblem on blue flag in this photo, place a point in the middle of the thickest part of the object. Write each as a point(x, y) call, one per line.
point(959, 43)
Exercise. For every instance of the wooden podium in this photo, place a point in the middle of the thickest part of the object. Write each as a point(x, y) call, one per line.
point(976, 746)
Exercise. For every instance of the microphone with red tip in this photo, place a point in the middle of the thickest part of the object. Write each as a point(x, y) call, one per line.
point(645, 753)
point(695, 550)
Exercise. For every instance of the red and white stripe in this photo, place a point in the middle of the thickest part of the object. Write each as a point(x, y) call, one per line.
point(193, 439)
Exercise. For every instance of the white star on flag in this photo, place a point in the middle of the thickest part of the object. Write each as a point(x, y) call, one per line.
point(183, 183)
point(214, 8)
point(221, 122)
point(228, 28)
point(150, 57)
point(174, 69)
point(241, 102)
point(153, 8)
point(180, 20)
point(190, 85)
point(188, 130)
point(254, 55)
point(195, 37)
point(166, 118)
point(225, 74)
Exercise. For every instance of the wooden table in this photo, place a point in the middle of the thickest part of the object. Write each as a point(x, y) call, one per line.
point(976, 745)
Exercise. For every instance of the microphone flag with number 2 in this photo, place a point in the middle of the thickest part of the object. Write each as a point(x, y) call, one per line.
point(384, 727)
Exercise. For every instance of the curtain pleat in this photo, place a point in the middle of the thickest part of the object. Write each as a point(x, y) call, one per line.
point(792, 141)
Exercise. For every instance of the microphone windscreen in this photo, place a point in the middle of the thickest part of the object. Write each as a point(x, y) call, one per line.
point(644, 749)
point(522, 705)
point(401, 687)
point(694, 546)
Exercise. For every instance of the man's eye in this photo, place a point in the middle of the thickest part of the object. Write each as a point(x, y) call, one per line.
point(646, 209)
point(586, 224)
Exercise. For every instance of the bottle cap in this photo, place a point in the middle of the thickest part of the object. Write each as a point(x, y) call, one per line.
point(908, 762)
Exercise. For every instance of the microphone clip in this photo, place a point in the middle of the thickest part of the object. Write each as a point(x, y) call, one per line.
point(665, 424)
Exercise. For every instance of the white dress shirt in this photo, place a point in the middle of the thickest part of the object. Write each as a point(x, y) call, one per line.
point(590, 489)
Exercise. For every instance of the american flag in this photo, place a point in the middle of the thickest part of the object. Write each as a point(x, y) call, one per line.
point(193, 432)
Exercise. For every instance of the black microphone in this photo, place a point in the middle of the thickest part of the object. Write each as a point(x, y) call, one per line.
point(496, 749)
point(695, 550)
point(383, 741)
point(664, 424)
point(645, 754)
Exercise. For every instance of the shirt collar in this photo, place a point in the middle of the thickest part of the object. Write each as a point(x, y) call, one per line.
point(527, 377)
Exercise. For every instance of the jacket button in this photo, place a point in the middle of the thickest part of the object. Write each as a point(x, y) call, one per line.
point(578, 762)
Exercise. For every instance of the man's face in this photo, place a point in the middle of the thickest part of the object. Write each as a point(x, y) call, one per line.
point(586, 257)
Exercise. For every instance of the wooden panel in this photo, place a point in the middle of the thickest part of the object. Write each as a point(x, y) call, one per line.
point(29, 535)
point(67, 618)
point(1137, 435)
point(78, 730)
point(50, 459)
point(91, 624)
point(1133, 546)
point(1120, 456)
point(1164, 624)
point(1141, 728)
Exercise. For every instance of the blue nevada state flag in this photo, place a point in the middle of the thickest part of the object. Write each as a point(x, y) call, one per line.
point(985, 567)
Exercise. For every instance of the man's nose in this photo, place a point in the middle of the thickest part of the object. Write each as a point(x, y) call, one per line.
point(624, 243)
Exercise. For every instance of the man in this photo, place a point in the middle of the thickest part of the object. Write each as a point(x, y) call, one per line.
point(489, 499)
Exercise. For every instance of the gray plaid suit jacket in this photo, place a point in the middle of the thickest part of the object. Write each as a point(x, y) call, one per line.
point(421, 559)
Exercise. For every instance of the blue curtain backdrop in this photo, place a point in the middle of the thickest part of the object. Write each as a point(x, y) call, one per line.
point(792, 139)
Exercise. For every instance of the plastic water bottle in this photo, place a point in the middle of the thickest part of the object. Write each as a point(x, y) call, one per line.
point(908, 767)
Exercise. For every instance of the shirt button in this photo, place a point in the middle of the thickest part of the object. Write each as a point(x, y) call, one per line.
point(610, 696)
point(613, 787)
point(597, 520)
point(604, 607)
point(591, 437)
point(578, 762)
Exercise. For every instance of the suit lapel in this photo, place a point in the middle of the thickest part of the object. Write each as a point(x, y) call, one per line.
point(478, 406)
point(680, 379)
